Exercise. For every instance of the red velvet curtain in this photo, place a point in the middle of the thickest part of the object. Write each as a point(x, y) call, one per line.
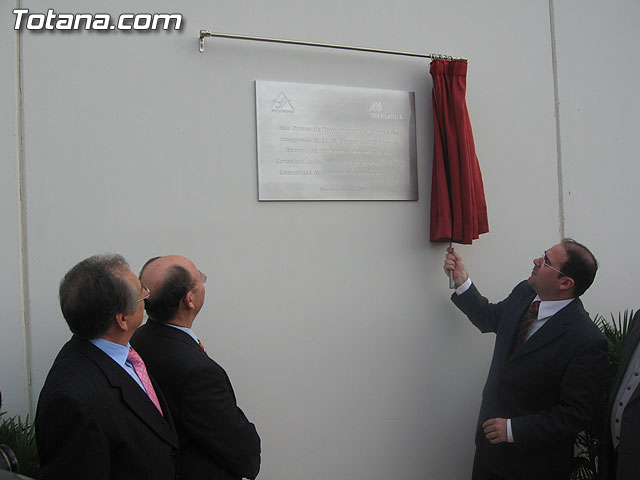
point(458, 207)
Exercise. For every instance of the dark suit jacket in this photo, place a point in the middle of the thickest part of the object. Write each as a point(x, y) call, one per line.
point(627, 460)
point(216, 439)
point(94, 422)
point(549, 388)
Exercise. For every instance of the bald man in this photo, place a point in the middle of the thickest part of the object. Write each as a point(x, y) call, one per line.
point(217, 441)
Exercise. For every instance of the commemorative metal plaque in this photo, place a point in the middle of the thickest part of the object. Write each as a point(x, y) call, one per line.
point(323, 142)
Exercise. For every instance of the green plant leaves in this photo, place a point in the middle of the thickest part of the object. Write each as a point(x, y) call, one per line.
point(20, 436)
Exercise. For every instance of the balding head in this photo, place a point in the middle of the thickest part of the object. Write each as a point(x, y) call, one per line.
point(581, 265)
point(176, 289)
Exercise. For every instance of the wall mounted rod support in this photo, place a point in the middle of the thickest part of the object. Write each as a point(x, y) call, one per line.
point(206, 33)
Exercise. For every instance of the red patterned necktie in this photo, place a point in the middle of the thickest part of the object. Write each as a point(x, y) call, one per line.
point(141, 371)
point(201, 346)
point(525, 323)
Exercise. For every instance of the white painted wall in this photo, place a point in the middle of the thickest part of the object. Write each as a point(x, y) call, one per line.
point(600, 116)
point(332, 318)
point(13, 371)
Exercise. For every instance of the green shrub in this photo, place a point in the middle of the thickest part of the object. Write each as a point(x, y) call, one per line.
point(587, 443)
point(20, 436)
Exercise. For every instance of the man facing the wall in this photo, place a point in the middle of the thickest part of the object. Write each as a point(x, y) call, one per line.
point(548, 367)
point(99, 415)
point(216, 439)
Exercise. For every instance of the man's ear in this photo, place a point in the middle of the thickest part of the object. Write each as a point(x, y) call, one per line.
point(188, 300)
point(121, 321)
point(566, 283)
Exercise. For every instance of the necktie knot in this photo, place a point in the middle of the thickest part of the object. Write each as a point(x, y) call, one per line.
point(534, 307)
point(143, 375)
point(135, 359)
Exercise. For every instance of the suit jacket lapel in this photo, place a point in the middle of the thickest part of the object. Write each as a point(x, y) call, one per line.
point(173, 333)
point(132, 395)
point(162, 330)
point(553, 328)
point(516, 315)
point(140, 403)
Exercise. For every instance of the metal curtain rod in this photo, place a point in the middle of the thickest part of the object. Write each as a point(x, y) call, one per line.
point(437, 56)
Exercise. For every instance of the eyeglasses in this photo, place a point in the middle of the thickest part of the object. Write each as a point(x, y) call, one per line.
point(145, 295)
point(203, 277)
point(545, 262)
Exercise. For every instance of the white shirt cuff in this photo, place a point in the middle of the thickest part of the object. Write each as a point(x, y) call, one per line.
point(509, 431)
point(464, 287)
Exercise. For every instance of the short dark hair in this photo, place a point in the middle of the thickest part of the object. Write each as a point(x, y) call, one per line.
point(581, 265)
point(93, 292)
point(162, 306)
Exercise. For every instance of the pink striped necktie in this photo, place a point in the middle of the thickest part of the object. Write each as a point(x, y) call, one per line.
point(141, 371)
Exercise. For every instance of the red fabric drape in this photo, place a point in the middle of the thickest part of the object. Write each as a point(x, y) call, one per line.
point(458, 207)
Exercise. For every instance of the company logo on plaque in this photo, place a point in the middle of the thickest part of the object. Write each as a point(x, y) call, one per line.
point(377, 112)
point(376, 106)
point(282, 104)
point(338, 143)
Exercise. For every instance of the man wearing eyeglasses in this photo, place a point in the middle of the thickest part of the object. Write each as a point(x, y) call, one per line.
point(217, 441)
point(549, 364)
point(99, 415)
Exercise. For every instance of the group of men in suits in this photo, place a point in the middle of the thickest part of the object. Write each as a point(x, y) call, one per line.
point(166, 410)
point(548, 372)
point(160, 410)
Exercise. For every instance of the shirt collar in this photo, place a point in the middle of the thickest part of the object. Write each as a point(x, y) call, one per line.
point(549, 308)
point(186, 330)
point(116, 351)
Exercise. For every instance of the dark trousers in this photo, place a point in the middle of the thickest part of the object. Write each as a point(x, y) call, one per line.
point(482, 466)
point(502, 462)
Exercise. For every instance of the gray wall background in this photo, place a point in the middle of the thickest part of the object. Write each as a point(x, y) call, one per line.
point(331, 318)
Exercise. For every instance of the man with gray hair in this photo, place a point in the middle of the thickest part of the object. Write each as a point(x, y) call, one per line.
point(99, 414)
